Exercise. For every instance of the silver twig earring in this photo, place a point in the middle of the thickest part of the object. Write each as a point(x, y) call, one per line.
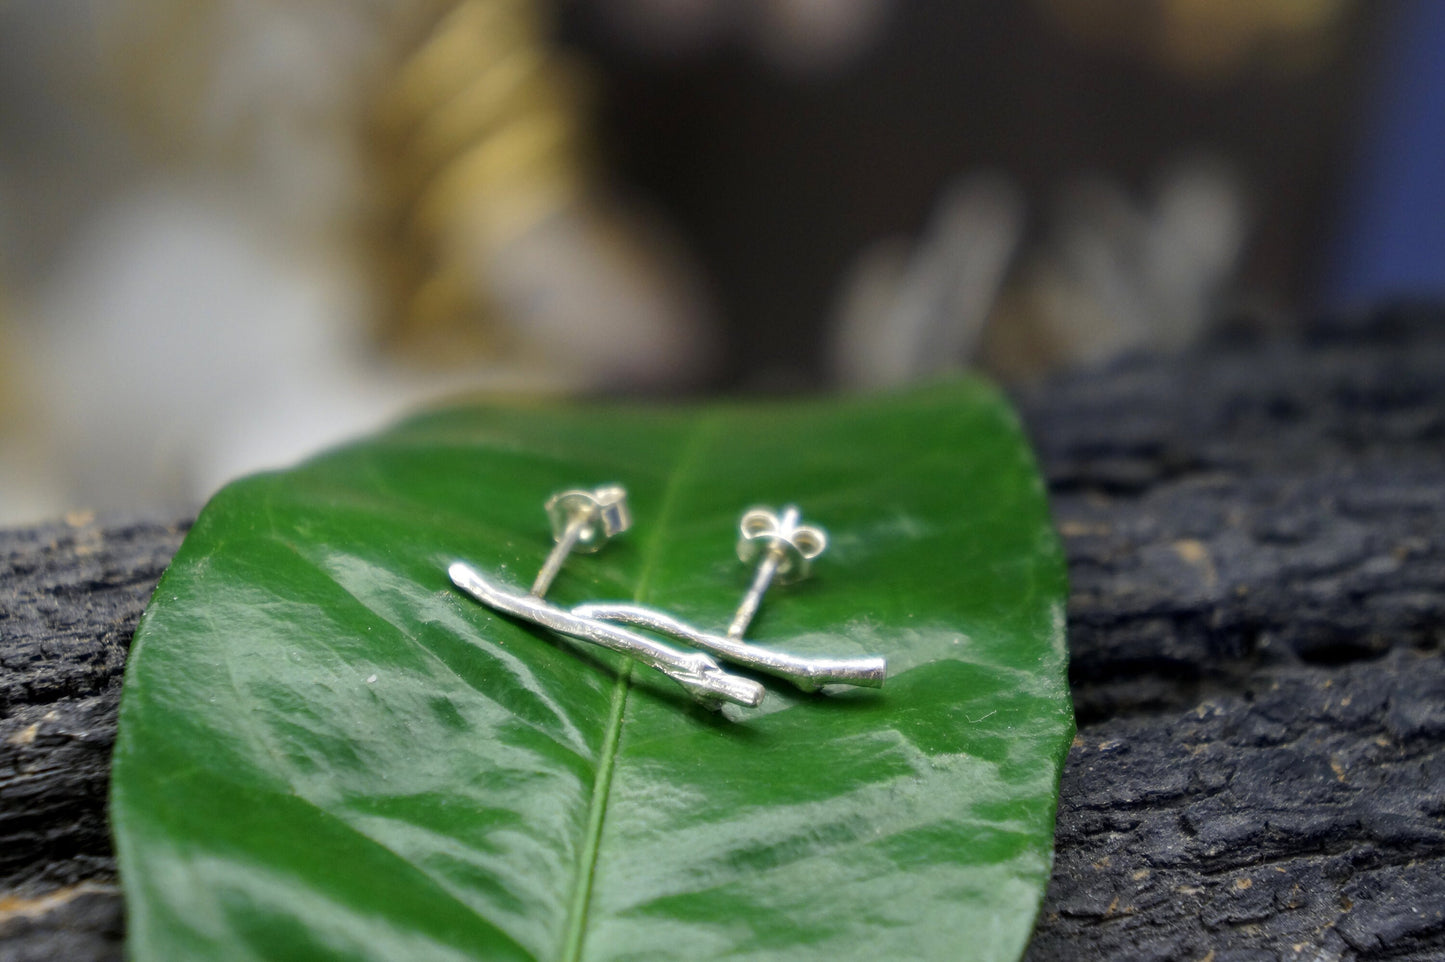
point(703, 678)
point(582, 521)
point(790, 550)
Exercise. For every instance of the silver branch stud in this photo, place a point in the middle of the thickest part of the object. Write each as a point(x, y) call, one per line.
point(787, 549)
point(582, 521)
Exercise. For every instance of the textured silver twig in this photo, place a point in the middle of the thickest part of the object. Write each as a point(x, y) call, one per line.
point(703, 678)
point(808, 674)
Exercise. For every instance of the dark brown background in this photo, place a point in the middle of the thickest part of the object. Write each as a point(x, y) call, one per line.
point(778, 182)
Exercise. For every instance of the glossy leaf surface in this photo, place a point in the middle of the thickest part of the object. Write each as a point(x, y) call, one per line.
point(328, 752)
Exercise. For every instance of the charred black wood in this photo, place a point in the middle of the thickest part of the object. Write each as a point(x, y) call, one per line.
point(1256, 545)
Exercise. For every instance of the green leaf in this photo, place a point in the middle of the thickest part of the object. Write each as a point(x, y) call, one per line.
point(326, 751)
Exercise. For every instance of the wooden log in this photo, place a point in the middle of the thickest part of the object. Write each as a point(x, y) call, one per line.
point(1256, 542)
point(70, 596)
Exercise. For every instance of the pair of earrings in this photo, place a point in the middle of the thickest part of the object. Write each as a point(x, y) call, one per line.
point(784, 549)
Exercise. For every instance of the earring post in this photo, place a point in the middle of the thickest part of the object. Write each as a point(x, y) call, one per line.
point(561, 550)
point(581, 521)
point(767, 570)
point(748, 607)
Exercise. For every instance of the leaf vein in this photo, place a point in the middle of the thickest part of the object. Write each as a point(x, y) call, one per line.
point(602, 786)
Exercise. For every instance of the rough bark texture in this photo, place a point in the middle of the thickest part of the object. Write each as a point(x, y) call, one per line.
point(1256, 540)
point(70, 596)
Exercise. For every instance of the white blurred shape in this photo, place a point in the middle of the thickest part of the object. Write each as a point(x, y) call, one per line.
point(816, 36)
point(1145, 275)
point(1194, 243)
point(180, 346)
point(905, 314)
point(603, 299)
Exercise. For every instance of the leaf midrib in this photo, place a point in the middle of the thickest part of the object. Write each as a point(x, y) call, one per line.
point(577, 913)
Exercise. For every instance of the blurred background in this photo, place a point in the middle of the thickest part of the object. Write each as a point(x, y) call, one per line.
point(235, 231)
